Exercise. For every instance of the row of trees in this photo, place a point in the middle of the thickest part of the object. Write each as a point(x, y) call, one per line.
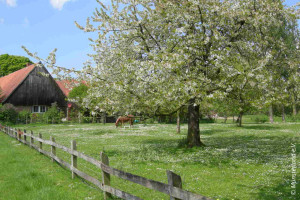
point(155, 57)
point(12, 63)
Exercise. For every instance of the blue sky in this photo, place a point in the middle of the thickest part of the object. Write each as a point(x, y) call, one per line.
point(42, 25)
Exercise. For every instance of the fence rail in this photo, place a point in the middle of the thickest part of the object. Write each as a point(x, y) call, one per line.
point(173, 188)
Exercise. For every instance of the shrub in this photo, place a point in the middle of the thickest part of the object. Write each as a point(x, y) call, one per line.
point(260, 118)
point(8, 113)
point(24, 116)
point(36, 117)
point(295, 118)
point(149, 121)
point(52, 114)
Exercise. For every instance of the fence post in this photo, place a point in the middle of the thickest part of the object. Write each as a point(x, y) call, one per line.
point(53, 148)
point(25, 137)
point(19, 134)
point(73, 158)
point(105, 176)
point(16, 132)
point(31, 139)
point(41, 144)
point(174, 180)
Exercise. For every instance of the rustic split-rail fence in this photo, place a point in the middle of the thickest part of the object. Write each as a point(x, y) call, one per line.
point(173, 188)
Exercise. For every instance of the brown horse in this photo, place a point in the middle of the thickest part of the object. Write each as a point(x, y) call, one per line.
point(128, 118)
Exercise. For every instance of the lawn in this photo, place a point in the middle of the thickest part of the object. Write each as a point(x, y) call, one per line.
point(25, 174)
point(249, 162)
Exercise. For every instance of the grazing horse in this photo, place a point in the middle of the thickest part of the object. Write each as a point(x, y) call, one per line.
point(128, 118)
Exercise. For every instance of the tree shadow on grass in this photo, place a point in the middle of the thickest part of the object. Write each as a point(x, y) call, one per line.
point(219, 151)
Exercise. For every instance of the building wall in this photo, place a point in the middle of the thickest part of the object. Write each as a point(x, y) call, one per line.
point(37, 89)
point(21, 108)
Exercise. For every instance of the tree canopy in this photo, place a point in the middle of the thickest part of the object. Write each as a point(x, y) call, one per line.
point(78, 93)
point(12, 63)
point(155, 57)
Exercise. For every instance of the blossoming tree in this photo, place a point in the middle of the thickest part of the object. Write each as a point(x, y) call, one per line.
point(155, 56)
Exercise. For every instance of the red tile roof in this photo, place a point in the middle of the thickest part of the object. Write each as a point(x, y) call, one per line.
point(10, 82)
point(65, 86)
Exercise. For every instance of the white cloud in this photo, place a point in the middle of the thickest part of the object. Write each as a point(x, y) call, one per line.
point(11, 3)
point(26, 22)
point(58, 4)
point(1, 20)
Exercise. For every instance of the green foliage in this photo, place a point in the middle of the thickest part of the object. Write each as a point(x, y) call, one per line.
point(260, 118)
point(149, 121)
point(295, 118)
point(11, 63)
point(78, 92)
point(8, 113)
point(24, 116)
point(53, 114)
point(37, 117)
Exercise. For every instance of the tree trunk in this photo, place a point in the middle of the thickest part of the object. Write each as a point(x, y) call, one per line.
point(178, 121)
point(170, 119)
point(193, 138)
point(271, 114)
point(283, 114)
point(240, 119)
point(233, 118)
point(294, 105)
point(294, 109)
point(103, 118)
point(225, 119)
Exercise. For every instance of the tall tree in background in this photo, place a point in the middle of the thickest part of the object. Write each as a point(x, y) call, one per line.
point(283, 70)
point(11, 63)
point(156, 56)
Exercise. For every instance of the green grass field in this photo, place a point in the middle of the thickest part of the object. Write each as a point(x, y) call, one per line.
point(249, 162)
point(25, 174)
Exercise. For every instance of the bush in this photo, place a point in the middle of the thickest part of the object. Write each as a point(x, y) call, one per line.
point(149, 121)
point(207, 120)
point(24, 116)
point(260, 118)
point(36, 117)
point(295, 118)
point(53, 114)
point(8, 113)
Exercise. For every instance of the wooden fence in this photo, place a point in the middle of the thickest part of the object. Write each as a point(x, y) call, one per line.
point(173, 188)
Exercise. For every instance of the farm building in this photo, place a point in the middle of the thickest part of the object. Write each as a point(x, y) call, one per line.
point(32, 88)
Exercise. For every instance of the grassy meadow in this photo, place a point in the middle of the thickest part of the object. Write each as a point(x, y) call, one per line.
point(249, 162)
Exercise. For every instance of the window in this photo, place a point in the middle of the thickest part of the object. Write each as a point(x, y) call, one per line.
point(35, 109)
point(42, 108)
point(39, 109)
